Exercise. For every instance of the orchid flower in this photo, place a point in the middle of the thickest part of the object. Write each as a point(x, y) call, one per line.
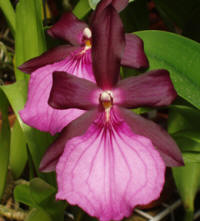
point(110, 160)
point(74, 59)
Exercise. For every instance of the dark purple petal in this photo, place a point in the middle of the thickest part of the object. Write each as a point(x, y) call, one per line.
point(68, 28)
point(162, 141)
point(75, 128)
point(69, 91)
point(108, 44)
point(154, 88)
point(48, 57)
point(134, 55)
point(119, 5)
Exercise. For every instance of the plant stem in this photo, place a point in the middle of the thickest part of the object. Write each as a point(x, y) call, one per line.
point(188, 215)
point(12, 214)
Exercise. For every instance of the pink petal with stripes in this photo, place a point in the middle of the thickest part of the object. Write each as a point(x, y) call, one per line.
point(37, 113)
point(109, 170)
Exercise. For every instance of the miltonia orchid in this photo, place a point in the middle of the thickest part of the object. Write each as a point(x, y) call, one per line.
point(74, 59)
point(109, 159)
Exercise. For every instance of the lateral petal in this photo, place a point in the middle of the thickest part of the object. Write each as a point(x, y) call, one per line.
point(76, 128)
point(162, 141)
point(109, 170)
point(107, 46)
point(154, 88)
point(69, 91)
point(134, 55)
point(51, 56)
point(68, 28)
point(37, 113)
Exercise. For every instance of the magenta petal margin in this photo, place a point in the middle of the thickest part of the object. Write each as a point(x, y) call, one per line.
point(109, 170)
point(37, 113)
point(49, 57)
point(161, 140)
point(75, 128)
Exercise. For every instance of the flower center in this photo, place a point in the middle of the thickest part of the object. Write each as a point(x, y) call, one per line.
point(87, 34)
point(106, 100)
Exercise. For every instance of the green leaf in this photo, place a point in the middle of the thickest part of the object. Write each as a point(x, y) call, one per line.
point(81, 9)
point(43, 195)
point(186, 144)
point(4, 142)
point(38, 214)
point(187, 182)
point(9, 13)
point(183, 118)
point(22, 194)
point(37, 141)
point(191, 157)
point(18, 152)
point(184, 127)
point(180, 56)
point(30, 39)
point(40, 190)
point(39, 194)
point(93, 3)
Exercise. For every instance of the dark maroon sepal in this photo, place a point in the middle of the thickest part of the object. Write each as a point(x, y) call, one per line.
point(134, 56)
point(152, 89)
point(108, 45)
point(49, 57)
point(68, 28)
point(69, 91)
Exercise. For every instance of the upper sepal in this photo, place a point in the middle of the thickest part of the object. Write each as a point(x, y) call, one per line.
point(108, 43)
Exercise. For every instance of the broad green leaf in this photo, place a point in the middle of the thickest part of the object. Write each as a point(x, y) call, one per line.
point(18, 152)
point(43, 195)
point(81, 9)
point(186, 144)
point(37, 141)
point(30, 39)
point(184, 127)
point(22, 194)
point(38, 214)
point(6, 7)
point(39, 194)
point(4, 142)
point(180, 56)
point(183, 118)
point(93, 3)
point(191, 157)
point(40, 190)
point(187, 182)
